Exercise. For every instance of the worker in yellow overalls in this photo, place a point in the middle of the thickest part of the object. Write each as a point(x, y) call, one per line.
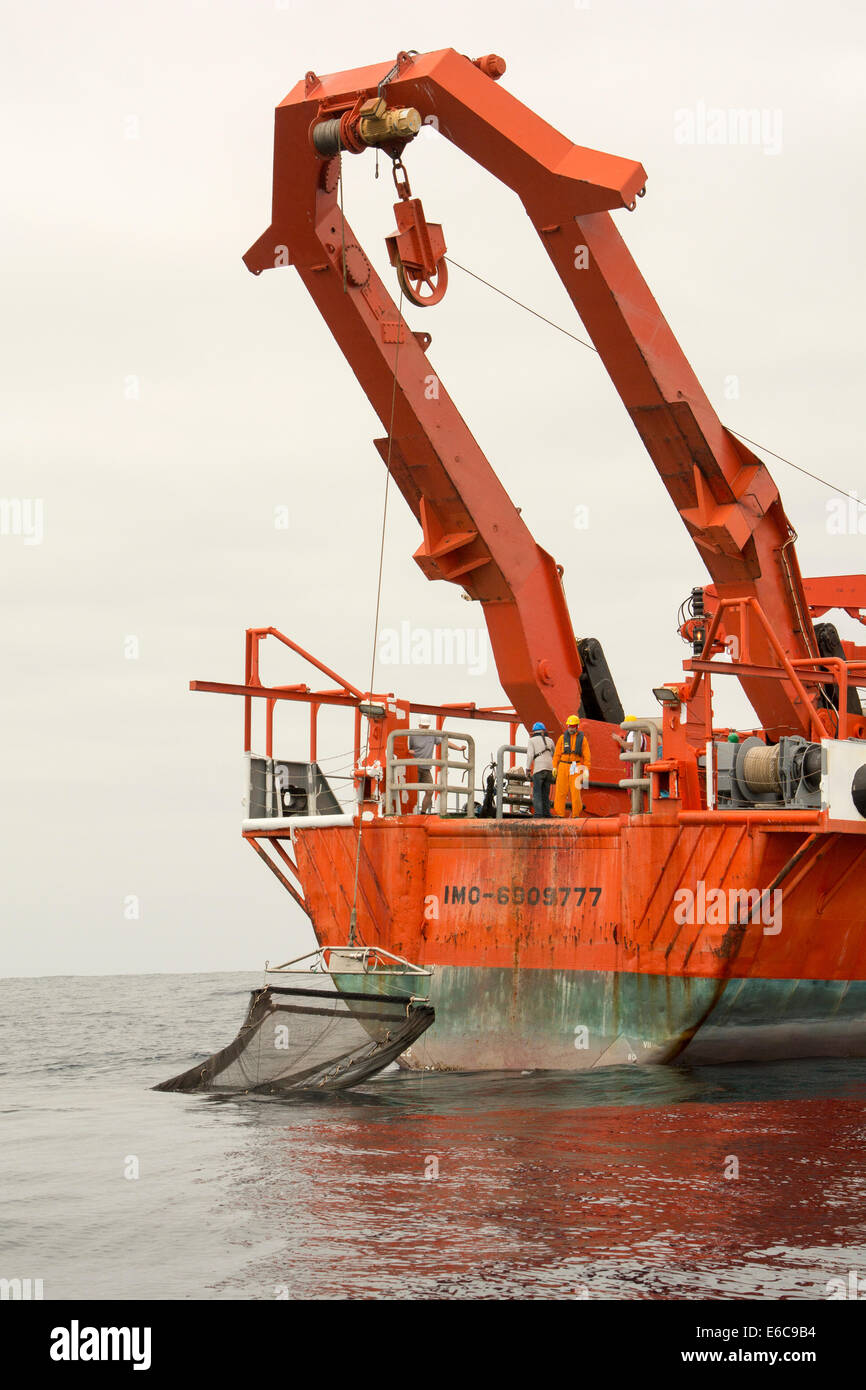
point(571, 764)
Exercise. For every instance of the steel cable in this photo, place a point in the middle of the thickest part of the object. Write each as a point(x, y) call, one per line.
point(584, 343)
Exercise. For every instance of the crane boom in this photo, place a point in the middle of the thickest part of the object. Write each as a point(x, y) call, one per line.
point(472, 533)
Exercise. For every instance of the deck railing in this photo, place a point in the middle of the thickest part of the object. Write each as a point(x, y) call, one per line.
point(444, 765)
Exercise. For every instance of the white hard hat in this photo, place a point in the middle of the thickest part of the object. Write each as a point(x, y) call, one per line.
point(424, 721)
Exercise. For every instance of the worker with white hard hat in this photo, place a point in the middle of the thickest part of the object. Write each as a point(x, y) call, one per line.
point(424, 746)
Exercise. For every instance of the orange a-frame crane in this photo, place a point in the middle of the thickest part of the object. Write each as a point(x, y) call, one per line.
point(636, 917)
point(472, 533)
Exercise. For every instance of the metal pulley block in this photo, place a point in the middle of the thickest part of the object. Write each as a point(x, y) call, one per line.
point(417, 253)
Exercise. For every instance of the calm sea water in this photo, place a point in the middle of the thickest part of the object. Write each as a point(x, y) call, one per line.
point(609, 1185)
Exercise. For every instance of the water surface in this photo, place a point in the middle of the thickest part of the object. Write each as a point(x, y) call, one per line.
point(610, 1184)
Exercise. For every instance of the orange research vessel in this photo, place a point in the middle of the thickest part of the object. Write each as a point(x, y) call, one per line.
point(709, 901)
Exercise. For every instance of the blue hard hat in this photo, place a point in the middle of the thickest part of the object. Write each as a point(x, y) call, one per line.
point(538, 728)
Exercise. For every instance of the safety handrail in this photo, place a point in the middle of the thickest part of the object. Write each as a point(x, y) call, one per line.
point(393, 786)
point(640, 786)
point(500, 772)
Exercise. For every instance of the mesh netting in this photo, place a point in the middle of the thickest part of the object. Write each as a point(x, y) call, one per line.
point(295, 1039)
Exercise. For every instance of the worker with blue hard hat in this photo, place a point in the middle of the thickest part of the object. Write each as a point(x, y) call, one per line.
point(540, 766)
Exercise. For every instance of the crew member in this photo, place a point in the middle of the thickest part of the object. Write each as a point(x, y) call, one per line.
point(571, 764)
point(422, 746)
point(540, 761)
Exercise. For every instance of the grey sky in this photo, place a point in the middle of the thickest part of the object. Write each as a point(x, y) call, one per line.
point(138, 145)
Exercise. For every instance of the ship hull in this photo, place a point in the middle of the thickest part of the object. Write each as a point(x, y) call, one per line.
point(613, 942)
point(488, 1019)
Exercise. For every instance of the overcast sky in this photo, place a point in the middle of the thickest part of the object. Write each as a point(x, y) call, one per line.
point(161, 404)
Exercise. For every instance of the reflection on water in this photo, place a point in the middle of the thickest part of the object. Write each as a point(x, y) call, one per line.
point(642, 1183)
point(605, 1185)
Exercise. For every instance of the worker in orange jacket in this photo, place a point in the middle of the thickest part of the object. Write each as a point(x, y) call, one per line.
point(571, 764)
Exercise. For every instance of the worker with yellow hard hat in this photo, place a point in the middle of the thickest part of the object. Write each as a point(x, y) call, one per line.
point(571, 764)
